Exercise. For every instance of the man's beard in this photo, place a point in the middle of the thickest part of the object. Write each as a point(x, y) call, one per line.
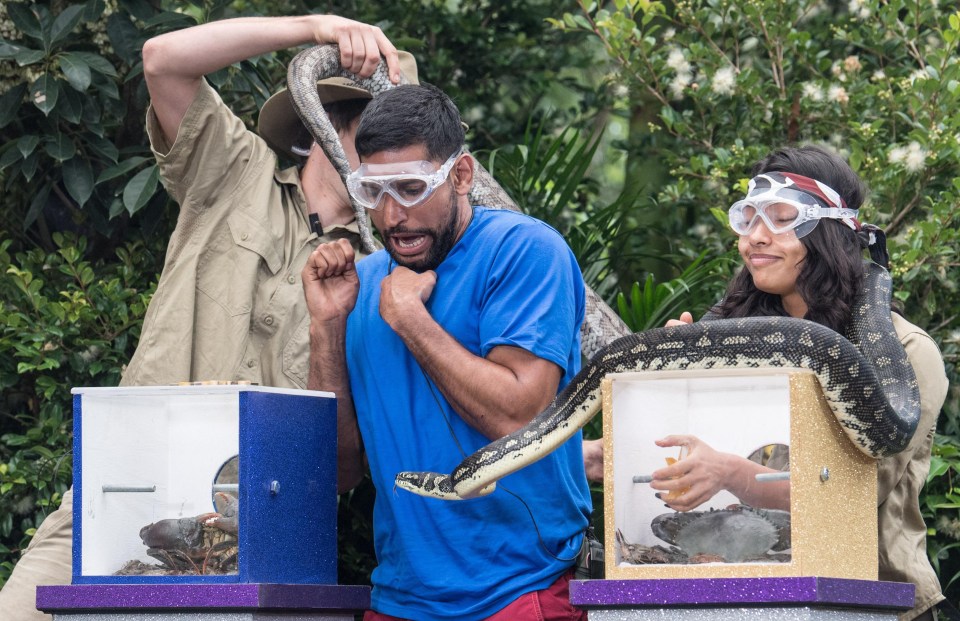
point(443, 241)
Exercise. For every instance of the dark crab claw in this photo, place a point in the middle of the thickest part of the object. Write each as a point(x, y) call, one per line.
point(173, 534)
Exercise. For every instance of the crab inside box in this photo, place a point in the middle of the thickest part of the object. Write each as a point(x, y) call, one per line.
point(818, 517)
point(149, 460)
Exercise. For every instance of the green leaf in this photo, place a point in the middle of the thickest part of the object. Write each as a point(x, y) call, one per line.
point(64, 24)
point(124, 37)
point(26, 19)
point(26, 56)
point(44, 93)
point(116, 208)
point(170, 20)
point(27, 144)
point(70, 105)
point(76, 71)
point(60, 147)
point(97, 63)
point(9, 50)
point(10, 103)
point(103, 147)
point(139, 189)
point(121, 168)
point(36, 205)
point(78, 179)
point(10, 155)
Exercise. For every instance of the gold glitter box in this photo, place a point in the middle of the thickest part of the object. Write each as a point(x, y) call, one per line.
point(776, 418)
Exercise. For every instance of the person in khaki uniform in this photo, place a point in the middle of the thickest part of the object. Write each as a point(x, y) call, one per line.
point(811, 268)
point(230, 305)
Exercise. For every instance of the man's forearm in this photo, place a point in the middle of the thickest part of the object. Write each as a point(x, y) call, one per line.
point(194, 52)
point(494, 395)
point(175, 62)
point(328, 372)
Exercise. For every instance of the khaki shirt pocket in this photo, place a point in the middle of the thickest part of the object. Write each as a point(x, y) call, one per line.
point(235, 260)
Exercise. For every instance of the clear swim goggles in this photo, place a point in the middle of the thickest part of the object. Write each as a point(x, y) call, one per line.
point(788, 202)
point(413, 184)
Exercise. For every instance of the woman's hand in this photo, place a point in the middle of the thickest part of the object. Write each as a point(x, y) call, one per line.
point(694, 479)
point(685, 318)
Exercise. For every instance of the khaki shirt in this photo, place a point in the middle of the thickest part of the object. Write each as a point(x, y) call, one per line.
point(903, 534)
point(229, 304)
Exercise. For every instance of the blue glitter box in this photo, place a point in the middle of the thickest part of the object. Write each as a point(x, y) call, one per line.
point(165, 455)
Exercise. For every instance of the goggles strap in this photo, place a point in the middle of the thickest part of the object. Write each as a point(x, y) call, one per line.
point(815, 188)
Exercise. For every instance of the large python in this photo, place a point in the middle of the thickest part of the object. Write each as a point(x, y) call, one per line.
point(866, 377)
point(601, 324)
point(876, 403)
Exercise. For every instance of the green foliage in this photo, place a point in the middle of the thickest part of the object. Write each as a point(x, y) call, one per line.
point(547, 175)
point(64, 322)
point(651, 305)
point(68, 78)
point(710, 86)
point(941, 503)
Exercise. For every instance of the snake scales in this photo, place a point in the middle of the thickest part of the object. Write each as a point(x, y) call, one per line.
point(867, 380)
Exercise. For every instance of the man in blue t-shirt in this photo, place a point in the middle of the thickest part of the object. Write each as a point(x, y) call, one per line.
point(459, 332)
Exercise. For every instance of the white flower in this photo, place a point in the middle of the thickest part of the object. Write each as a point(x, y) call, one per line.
point(677, 61)
point(838, 94)
point(919, 74)
point(857, 9)
point(812, 91)
point(896, 155)
point(878, 75)
point(620, 91)
point(669, 33)
point(724, 81)
point(915, 158)
point(678, 84)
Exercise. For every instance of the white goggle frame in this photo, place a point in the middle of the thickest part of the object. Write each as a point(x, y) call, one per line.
point(783, 210)
point(410, 187)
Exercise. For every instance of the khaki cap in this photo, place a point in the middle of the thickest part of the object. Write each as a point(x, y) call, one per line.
point(279, 124)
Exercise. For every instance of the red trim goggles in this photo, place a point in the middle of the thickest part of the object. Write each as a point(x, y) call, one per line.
point(788, 202)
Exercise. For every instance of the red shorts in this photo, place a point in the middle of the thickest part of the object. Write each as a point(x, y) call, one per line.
point(549, 604)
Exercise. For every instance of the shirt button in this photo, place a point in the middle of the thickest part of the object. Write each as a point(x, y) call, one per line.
point(251, 363)
point(291, 279)
point(268, 320)
point(244, 236)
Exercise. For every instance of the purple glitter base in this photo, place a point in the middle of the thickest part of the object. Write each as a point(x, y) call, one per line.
point(714, 591)
point(224, 596)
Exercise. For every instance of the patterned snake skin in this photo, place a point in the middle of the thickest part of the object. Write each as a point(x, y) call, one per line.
point(601, 324)
point(867, 380)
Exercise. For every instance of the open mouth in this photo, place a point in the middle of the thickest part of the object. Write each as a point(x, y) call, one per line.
point(409, 244)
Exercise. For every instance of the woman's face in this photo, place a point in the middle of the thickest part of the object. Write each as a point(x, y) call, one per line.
point(774, 261)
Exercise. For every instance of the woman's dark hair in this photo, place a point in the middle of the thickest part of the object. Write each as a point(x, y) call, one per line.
point(832, 271)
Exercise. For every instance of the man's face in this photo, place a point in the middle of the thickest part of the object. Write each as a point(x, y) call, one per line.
point(418, 237)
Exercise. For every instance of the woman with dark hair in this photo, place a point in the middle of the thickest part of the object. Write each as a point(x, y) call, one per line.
point(802, 248)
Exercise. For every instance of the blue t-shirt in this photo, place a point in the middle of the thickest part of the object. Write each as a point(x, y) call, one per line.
point(509, 280)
